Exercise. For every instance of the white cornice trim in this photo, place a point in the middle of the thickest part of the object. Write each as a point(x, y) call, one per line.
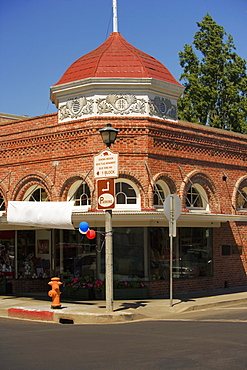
point(102, 85)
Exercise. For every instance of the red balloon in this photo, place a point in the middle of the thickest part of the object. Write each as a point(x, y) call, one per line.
point(90, 234)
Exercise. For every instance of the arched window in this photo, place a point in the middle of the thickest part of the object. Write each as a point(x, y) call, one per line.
point(2, 203)
point(196, 198)
point(126, 195)
point(80, 193)
point(242, 199)
point(160, 192)
point(36, 194)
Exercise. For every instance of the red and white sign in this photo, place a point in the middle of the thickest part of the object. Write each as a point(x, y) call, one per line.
point(106, 165)
point(106, 194)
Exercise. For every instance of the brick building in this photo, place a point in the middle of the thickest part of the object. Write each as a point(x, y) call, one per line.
point(50, 158)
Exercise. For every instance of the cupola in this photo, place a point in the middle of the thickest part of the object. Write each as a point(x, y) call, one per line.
point(116, 79)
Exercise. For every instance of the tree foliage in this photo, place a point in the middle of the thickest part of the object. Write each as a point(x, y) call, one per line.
point(216, 83)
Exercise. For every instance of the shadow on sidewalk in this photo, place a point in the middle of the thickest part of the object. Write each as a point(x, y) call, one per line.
point(133, 305)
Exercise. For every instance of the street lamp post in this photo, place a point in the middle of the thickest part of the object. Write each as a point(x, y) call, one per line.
point(108, 135)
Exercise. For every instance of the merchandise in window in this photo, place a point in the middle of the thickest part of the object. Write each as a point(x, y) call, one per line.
point(7, 254)
point(33, 254)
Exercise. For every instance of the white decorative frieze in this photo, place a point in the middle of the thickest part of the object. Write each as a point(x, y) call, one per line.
point(121, 104)
point(75, 108)
point(162, 107)
point(117, 104)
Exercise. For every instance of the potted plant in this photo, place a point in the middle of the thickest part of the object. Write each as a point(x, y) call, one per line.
point(78, 288)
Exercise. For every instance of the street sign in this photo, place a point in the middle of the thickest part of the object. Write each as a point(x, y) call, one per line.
point(177, 206)
point(106, 194)
point(106, 165)
point(172, 210)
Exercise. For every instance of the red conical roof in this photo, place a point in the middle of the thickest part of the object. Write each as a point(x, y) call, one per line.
point(116, 58)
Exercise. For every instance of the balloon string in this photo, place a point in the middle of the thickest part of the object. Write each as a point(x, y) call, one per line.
point(103, 242)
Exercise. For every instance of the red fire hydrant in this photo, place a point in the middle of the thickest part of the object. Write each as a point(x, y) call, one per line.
point(55, 292)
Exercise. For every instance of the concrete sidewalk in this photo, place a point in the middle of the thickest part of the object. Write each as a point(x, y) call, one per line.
point(38, 307)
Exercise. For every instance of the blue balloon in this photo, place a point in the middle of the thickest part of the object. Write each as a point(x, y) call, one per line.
point(83, 227)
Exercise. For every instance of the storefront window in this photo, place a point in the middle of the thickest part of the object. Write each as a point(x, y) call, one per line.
point(33, 253)
point(159, 253)
point(7, 253)
point(195, 245)
point(75, 255)
point(128, 253)
point(25, 253)
point(192, 253)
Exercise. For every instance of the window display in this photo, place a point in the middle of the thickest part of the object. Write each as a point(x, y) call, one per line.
point(75, 255)
point(33, 254)
point(7, 253)
point(192, 253)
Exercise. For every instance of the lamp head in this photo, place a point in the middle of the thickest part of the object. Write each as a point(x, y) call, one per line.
point(108, 134)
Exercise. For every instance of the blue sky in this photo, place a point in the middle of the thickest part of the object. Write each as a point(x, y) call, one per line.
point(40, 39)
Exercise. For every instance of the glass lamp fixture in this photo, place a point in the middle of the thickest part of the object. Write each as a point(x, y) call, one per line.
point(108, 134)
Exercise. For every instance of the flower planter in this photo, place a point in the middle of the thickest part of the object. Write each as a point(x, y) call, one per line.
point(83, 294)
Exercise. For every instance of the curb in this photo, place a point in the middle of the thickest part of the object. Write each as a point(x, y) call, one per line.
point(203, 306)
point(70, 318)
point(31, 314)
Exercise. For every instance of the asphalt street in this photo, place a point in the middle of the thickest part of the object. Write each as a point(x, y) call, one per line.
point(214, 338)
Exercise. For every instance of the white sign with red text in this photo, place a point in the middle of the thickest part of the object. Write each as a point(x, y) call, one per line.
point(106, 165)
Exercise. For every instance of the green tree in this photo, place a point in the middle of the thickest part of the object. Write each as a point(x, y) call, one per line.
point(215, 80)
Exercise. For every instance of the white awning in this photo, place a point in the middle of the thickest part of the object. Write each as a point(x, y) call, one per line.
point(52, 215)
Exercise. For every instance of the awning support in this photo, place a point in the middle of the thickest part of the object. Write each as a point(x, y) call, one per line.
point(82, 181)
point(54, 167)
point(153, 183)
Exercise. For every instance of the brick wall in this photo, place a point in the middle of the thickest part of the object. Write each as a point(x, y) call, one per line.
point(30, 285)
point(174, 151)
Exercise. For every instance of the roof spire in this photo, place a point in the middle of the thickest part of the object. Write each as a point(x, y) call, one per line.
point(115, 21)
